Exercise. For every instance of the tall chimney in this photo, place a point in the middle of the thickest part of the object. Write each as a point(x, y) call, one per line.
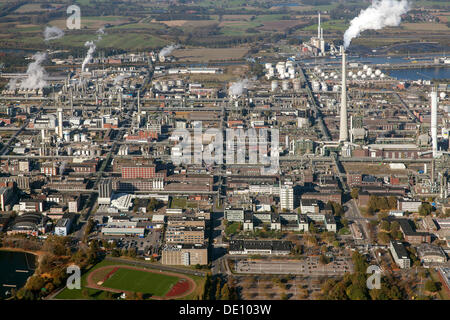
point(60, 123)
point(343, 129)
point(434, 121)
point(318, 28)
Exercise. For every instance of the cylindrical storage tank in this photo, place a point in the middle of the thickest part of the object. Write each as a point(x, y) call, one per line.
point(332, 74)
point(322, 74)
point(377, 72)
point(285, 85)
point(326, 77)
point(363, 76)
point(373, 75)
point(315, 86)
point(360, 73)
point(354, 76)
point(382, 75)
point(369, 70)
point(350, 73)
point(292, 76)
point(268, 65)
point(365, 67)
point(442, 95)
point(66, 136)
point(274, 85)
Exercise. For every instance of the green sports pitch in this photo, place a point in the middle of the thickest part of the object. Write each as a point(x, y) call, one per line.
point(141, 281)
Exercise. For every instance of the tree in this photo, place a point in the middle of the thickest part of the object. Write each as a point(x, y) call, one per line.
point(384, 225)
point(425, 209)
point(430, 286)
point(35, 283)
point(355, 193)
point(323, 259)
point(225, 293)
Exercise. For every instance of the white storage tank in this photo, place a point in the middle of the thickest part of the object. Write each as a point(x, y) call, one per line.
point(274, 85)
point(377, 72)
point(268, 65)
point(365, 67)
point(360, 73)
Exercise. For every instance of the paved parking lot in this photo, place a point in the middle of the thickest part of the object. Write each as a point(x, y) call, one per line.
point(308, 266)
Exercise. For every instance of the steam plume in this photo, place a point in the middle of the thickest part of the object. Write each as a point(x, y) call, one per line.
point(52, 33)
point(35, 73)
point(89, 55)
point(381, 13)
point(237, 88)
point(167, 50)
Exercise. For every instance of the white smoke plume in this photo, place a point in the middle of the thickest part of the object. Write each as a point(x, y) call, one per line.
point(35, 73)
point(100, 32)
point(382, 13)
point(237, 88)
point(90, 53)
point(12, 84)
point(121, 77)
point(52, 33)
point(167, 50)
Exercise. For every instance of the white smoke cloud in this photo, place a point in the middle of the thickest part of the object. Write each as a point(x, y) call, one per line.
point(35, 73)
point(237, 88)
point(89, 54)
point(382, 13)
point(100, 32)
point(167, 50)
point(52, 33)
point(121, 77)
point(12, 84)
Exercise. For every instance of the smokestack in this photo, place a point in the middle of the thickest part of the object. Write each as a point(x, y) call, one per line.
point(60, 123)
point(343, 130)
point(318, 28)
point(434, 121)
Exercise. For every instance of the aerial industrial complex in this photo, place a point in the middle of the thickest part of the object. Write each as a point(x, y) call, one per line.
point(292, 166)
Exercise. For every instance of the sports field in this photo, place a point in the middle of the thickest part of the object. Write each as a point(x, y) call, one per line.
point(140, 281)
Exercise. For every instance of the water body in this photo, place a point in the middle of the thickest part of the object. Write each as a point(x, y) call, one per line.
point(421, 73)
point(15, 268)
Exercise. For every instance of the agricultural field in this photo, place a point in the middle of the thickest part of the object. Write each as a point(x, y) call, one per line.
point(208, 54)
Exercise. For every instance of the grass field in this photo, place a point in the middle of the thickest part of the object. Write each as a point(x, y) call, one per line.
point(96, 294)
point(141, 281)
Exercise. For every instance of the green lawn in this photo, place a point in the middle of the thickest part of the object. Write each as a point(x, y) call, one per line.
point(141, 281)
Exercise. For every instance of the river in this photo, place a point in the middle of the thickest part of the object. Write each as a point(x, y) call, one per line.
point(15, 268)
